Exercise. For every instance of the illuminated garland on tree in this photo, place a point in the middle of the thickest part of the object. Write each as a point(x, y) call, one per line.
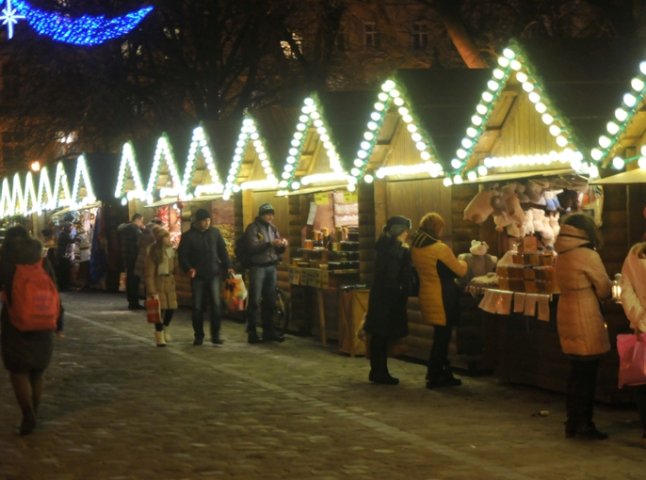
point(86, 30)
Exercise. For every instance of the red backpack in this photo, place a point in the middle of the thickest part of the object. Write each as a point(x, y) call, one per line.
point(35, 304)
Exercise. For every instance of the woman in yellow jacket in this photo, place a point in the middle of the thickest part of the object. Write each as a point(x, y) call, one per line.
point(159, 269)
point(438, 268)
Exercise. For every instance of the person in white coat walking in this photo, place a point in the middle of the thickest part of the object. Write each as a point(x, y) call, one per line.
point(633, 299)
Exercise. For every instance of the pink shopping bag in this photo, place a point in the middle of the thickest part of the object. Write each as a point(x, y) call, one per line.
point(632, 359)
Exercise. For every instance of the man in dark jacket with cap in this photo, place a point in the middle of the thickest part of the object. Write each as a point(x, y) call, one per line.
point(264, 246)
point(203, 256)
point(129, 234)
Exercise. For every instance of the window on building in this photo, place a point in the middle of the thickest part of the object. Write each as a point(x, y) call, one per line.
point(288, 51)
point(371, 35)
point(420, 36)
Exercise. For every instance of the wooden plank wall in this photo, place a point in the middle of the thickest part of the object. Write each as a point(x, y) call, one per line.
point(368, 232)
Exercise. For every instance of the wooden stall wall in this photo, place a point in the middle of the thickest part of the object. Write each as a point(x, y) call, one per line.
point(368, 232)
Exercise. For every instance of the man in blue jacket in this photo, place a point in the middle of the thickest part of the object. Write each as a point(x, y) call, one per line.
point(264, 246)
point(203, 256)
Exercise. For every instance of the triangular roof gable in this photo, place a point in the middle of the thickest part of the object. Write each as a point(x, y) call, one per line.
point(514, 61)
point(250, 139)
point(129, 173)
point(312, 116)
point(61, 192)
point(17, 196)
point(390, 96)
point(45, 196)
point(200, 158)
point(164, 158)
point(31, 199)
point(625, 132)
point(82, 190)
point(6, 207)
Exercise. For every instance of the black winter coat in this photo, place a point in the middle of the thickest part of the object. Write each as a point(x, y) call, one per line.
point(205, 251)
point(387, 315)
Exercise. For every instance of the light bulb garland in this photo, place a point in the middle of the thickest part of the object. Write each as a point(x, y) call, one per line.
point(632, 102)
point(30, 199)
point(310, 117)
point(61, 193)
point(513, 61)
point(6, 207)
point(250, 136)
point(17, 196)
point(45, 196)
point(163, 155)
point(389, 98)
point(82, 179)
point(129, 170)
point(201, 148)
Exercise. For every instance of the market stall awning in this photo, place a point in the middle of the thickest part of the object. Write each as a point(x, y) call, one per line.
point(505, 177)
point(625, 178)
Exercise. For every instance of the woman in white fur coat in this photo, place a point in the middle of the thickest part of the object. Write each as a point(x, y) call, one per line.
point(633, 299)
point(583, 334)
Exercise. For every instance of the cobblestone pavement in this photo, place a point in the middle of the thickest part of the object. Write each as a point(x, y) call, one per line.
point(117, 407)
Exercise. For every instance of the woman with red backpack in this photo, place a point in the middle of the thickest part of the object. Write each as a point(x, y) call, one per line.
point(31, 313)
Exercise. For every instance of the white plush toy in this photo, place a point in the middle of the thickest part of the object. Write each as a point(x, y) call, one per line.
point(479, 262)
point(479, 208)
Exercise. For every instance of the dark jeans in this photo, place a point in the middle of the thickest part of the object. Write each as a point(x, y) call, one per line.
point(640, 400)
point(167, 317)
point(63, 273)
point(206, 289)
point(262, 297)
point(132, 287)
point(581, 387)
point(439, 357)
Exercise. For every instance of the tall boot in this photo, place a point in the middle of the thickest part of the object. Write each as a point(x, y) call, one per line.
point(448, 379)
point(252, 336)
point(588, 429)
point(160, 341)
point(379, 362)
point(433, 374)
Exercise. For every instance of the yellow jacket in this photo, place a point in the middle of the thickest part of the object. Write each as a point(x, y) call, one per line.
point(437, 268)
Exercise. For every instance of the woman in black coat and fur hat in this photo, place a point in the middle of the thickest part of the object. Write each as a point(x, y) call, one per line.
point(386, 320)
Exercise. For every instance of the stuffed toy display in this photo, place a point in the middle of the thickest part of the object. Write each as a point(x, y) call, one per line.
point(479, 262)
point(479, 208)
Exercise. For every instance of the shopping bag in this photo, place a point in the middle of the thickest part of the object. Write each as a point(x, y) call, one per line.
point(632, 359)
point(234, 293)
point(153, 310)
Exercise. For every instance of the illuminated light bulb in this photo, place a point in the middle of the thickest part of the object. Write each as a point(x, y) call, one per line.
point(368, 136)
point(293, 151)
point(540, 107)
point(303, 118)
point(482, 170)
point(630, 100)
point(481, 109)
point(398, 101)
point(637, 84)
point(593, 172)
point(472, 176)
point(368, 179)
point(487, 97)
point(621, 114)
point(375, 116)
point(466, 143)
point(383, 97)
point(351, 187)
point(403, 111)
point(515, 65)
point(296, 185)
point(447, 182)
point(416, 137)
point(295, 142)
point(476, 120)
point(499, 74)
point(362, 154)
point(388, 85)
point(528, 87)
point(282, 184)
point(503, 62)
point(596, 154)
point(642, 67)
point(355, 172)
point(309, 102)
point(604, 141)
point(372, 126)
point(508, 53)
point(380, 174)
point(291, 159)
point(642, 150)
point(461, 153)
point(561, 141)
point(534, 97)
point(618, 163)
point(421, 146)
point(411, 127)
point(457, 180)
point(425, 155)
point(521, 77)
point(300, 127)
point(472, 132)
point(612, 128)
point(493, 85)
point(394, 93)
point(379, 106)
point(358, 163)
point(124, 201)
point(547, 118)
point(456, 164)
point(555, 130)
point(642, 162)
point(289, 168)
point(364, 145)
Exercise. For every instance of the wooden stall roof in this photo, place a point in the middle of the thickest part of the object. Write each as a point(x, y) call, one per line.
point(144, 153)
point(102, 166)
point(443, 101)
point(223, 135)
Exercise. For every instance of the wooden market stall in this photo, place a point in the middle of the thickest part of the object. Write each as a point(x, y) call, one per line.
point(323, 207)
point(528, 148)
point(415, 124)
